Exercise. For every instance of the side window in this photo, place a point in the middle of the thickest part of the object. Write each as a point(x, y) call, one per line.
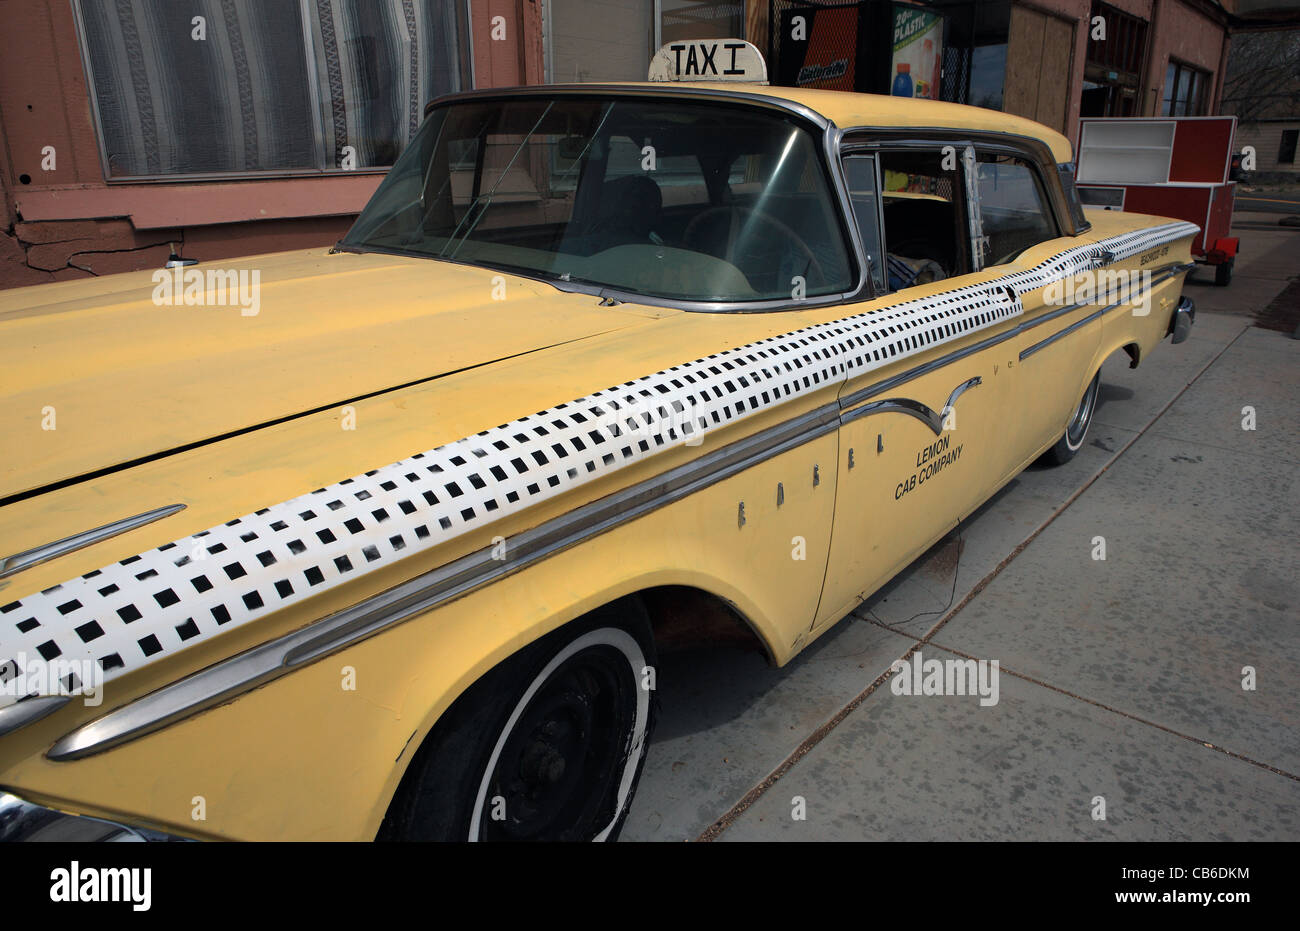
point(1013, 209)
point(924, 217)
point(860, 175)
point(1066, 173)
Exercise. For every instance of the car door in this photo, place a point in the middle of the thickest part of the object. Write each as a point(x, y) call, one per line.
point(925, 418)
point(1060, 329)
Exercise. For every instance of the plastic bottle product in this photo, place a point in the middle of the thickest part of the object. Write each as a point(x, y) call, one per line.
point(926, 86)
point(903, 81)
point(937, 75)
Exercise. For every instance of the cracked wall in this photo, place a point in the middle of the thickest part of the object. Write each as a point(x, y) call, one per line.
point(37, 253)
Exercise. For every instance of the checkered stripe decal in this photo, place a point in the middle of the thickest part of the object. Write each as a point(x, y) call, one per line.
point(127, 614)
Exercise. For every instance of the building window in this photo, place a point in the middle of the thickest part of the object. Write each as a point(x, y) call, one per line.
point(1113, 67)
point(975, 51)
point(700, 19)
point(1184, 90)
point(988, 69)
point(613, 40)
point(214, 87)
point(1286, 151)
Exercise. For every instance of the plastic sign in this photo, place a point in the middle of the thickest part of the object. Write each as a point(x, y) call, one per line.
point(918, 53)
point(709, 60)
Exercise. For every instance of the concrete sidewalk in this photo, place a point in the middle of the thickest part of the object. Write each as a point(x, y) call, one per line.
point(1121, 679)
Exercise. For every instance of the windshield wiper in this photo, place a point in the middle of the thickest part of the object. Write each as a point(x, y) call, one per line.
point(486, 198)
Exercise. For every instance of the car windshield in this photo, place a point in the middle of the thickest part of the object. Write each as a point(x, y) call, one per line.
point(670, 199)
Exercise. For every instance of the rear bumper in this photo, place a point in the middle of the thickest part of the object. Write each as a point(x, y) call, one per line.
point(1180, 323)
point(21, 820)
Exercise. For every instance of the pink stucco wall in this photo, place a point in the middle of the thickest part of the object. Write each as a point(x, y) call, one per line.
point(70, 223)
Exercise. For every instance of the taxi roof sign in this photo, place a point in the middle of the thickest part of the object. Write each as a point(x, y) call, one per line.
point(709, 60)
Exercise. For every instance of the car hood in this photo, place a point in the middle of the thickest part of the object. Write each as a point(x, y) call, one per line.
point(104, 372)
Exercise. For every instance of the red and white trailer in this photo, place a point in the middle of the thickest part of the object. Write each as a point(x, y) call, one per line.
point(1169, 166)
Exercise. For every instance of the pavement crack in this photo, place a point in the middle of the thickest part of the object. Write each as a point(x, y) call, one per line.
point(1124, 714)
point(714, 831)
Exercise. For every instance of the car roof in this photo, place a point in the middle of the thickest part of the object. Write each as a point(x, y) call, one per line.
point(850, 110)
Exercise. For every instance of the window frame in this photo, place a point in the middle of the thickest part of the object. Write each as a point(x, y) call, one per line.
point(1198, 78)
point(461, 10)
point(1065, 172)
point(827, 141)
point(881, 288)
point(1044, 191)
point(875, 140)
point(883, 144)
point(1282, 146)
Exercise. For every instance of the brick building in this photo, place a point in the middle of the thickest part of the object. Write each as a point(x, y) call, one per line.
point(230, 127)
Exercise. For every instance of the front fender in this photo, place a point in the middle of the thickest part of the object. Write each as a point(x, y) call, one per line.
point(317, 754)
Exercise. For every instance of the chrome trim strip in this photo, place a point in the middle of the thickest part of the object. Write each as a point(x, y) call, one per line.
point(1043, 344)
point(645, 89)
point(862, 394)
point(931, 418)
point(632, 297)
point(975, 237)
point(240, 673)
point(864, 289)
point(9, 565)
point(22, 713)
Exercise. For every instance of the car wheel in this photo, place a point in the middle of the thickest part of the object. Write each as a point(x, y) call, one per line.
point(547, 746)
point(1076, 430)
point(1223, 273)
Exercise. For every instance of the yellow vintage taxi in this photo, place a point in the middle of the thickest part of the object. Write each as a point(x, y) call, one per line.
point(386, 544)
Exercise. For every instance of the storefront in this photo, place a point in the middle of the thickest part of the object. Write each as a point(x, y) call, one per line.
point(1050, 60)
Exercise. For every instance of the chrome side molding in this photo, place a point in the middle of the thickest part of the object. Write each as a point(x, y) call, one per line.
point(1101, 312)
point(47, 551)
point(22, 713)
point(922, 412)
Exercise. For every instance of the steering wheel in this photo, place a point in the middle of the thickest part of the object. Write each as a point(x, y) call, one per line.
point(703, 219)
